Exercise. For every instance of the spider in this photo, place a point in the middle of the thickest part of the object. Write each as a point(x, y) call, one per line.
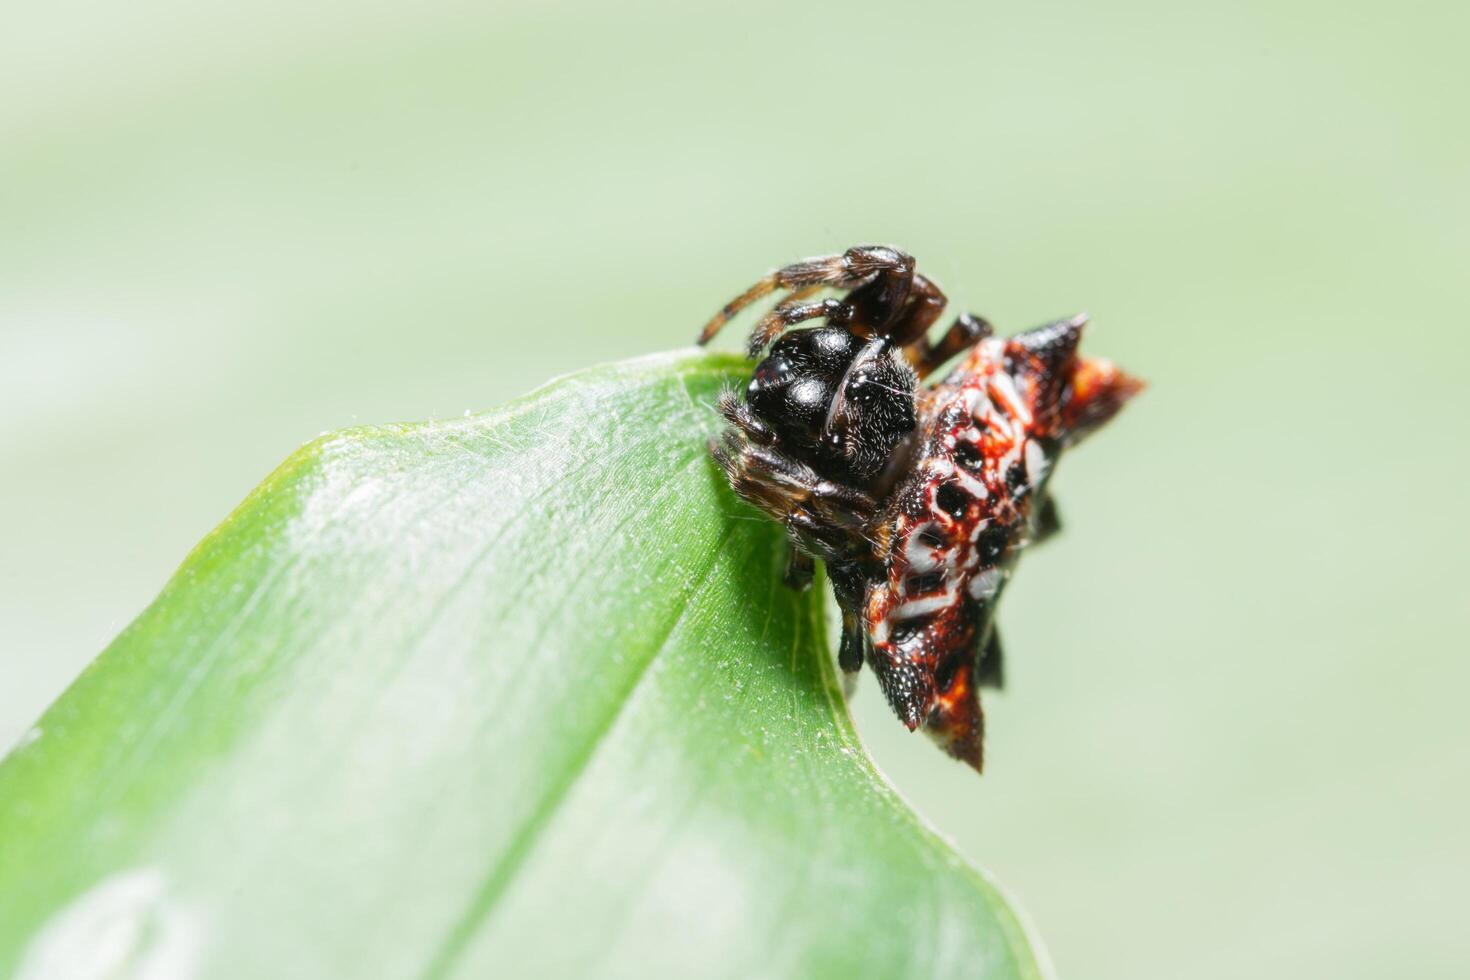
point(917, 499)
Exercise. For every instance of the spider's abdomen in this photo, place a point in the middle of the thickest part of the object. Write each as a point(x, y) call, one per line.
point(953, 530)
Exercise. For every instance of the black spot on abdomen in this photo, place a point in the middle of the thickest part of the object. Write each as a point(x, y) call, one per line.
point(918, 584)
point(991, 544)
point(952, 500)
point(968, 456)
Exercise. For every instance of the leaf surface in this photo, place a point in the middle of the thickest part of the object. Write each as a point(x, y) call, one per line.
point(514, 694)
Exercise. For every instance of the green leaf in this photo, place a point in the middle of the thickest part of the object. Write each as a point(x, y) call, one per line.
point(517, 694)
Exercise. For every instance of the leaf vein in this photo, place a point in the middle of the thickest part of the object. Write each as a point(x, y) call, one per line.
point(501, 876)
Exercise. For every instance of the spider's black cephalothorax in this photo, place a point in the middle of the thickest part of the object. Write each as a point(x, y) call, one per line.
point(917, 500)
point(841, 402)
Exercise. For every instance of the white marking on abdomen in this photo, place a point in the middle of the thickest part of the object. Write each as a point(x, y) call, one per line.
point(975, 487)
point(1011, 458)
point(920, 556)
point(940, 467)
point(975, 401)
point(1035, 462)
point(915, 608)
point(1005, 389)
point(985, 585)
point(880, 634)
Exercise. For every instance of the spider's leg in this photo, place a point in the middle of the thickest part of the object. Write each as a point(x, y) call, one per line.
point(796, 486)
point(828, 518)
point(910, 316)
point(792, 312)
point(739, 415)
point(824, 519)
point(854, 642)
point(846, 577)
point(966, 331)
point(851, 269)
point(991, 672)
point(847, 587)
point(1048, 521)
point(898, 304)
point(800, 566)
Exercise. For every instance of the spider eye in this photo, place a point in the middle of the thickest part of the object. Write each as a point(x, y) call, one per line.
point(832, 348)
point(791, 397)
point(795, 391)
point(808, 396)
point(773, 372)
point(826, 351)
point(866, 391)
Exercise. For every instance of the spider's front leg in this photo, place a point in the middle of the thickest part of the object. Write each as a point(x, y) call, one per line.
point(832, 514)
point(829, 520)
point(884, 274)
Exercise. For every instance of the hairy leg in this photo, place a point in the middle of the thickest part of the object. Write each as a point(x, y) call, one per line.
point(800, 566)
point(908, 321)
point(966, 331)
point(788, 314)
point(847, 587)
point(829, 518)
point(850, 270)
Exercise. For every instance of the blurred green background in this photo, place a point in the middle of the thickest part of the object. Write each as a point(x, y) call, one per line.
point(1234, 741)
